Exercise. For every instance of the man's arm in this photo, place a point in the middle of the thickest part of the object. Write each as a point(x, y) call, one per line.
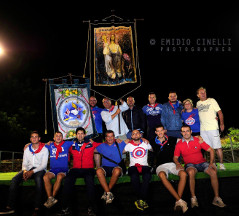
point(221, 119)
point(212, 155)
point(178, 164)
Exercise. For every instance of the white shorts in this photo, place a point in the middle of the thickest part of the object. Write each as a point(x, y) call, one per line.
point(212, 138)
point(168, 168)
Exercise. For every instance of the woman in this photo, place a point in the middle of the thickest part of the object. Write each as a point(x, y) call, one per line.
point(190, 117)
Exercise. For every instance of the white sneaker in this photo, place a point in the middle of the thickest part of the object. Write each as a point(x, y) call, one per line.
point(50, 202)
point(222, 167)
point(181, 205)
point(194, 202)
point(104, 196)
point(218, 202)
point(109, 198)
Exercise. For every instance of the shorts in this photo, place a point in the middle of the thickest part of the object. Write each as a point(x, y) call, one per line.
point(59, 170)
point(212, 138)
point(168, 168)
point(202, 167)
point(109, 170)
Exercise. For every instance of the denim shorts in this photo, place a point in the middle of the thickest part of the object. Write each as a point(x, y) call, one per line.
point(202, 167)
point(109, 170)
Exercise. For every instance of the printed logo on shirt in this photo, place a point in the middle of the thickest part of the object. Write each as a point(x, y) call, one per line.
point(53, 151)
point(204, 108)
point(190, 121)
point(138, 152)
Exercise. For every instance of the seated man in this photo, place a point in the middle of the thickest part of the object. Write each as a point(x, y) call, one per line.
point(83, 167)
point(58, 167)
point(164, 150)
point(189, 148)
point(138, 165)
point(110, 152)
point(34, 166)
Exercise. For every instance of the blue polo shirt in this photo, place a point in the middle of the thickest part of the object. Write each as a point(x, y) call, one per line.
point(111, 151)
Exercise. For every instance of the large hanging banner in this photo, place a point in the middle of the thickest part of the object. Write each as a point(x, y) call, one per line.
point(114, 62)
point(113, 58)
point(70, 105)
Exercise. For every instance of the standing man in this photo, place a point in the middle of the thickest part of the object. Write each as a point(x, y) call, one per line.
point(109, 150)
point(164, 147)
point(208, 109)
point(34, 166)
point(171, 115)
point(58, 167)
point(112, 120)
point(189, 148)
point(138, 151)
point(83, 167)
point(96, 112)
point(134, 117)
point(153, 112)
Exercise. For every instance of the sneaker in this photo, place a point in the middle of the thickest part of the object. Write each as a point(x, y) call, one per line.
point(222, 167)
point(181, 205)
point(104, 196)
point(6, 211)
point(109, 197)
point(194, 202)
point(139, 204)
point(218, 202)
point(64, 212)
point(145, 205)
point(91, 212)
point(50, 202)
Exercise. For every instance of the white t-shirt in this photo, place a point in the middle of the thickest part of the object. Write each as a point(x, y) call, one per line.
point(138, 154)
point(207, 114)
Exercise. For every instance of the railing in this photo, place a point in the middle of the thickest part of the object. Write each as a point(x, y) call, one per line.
point(12, 158)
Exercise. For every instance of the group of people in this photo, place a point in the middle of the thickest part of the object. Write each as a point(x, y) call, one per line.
point(172, 133)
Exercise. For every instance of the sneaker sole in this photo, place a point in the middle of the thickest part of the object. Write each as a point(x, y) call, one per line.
point(219, 205)
point(7, 213)
point(142, 209)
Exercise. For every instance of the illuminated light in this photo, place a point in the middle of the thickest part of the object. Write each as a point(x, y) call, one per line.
point(1, 51)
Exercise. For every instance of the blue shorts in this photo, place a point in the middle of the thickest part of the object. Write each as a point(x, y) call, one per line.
point(202, 167)
point(109, 170)
point(59, 170)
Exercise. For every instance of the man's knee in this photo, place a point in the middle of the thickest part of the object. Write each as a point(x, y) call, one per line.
point(100, 171)
point(117, 171)
point(191, 171)
point(182, 174)
point(162, 175)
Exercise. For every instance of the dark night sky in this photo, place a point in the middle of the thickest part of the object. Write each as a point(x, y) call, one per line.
point(46, 40)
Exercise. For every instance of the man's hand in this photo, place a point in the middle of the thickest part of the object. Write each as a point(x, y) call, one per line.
point(27, 174)
point(213, 166)
point(25, 147)
point(179, 167)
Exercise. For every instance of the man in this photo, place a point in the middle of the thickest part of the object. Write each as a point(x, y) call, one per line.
point(58, 167)
point(112, 116)
point(83, 167)
point(189, 148)
point(171, 115)
point(208, 109)
point(138, 151)
point(164, 147)
point(96, 111)
point(134, 117)
point(153, 112)
point(34, 166)
point(109, 150)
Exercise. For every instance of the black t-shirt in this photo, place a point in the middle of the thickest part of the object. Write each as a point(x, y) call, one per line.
point(164, 154)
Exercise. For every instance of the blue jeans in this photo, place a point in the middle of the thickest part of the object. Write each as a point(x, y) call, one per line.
point(88, 174)
point(140, 190)
point(17, 179)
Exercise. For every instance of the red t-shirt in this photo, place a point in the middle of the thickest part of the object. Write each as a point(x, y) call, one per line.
point(191, 151)
point(85, 157)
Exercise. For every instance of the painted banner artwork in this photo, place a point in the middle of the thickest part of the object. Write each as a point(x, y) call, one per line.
point(114, 62)
point(73, 110)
